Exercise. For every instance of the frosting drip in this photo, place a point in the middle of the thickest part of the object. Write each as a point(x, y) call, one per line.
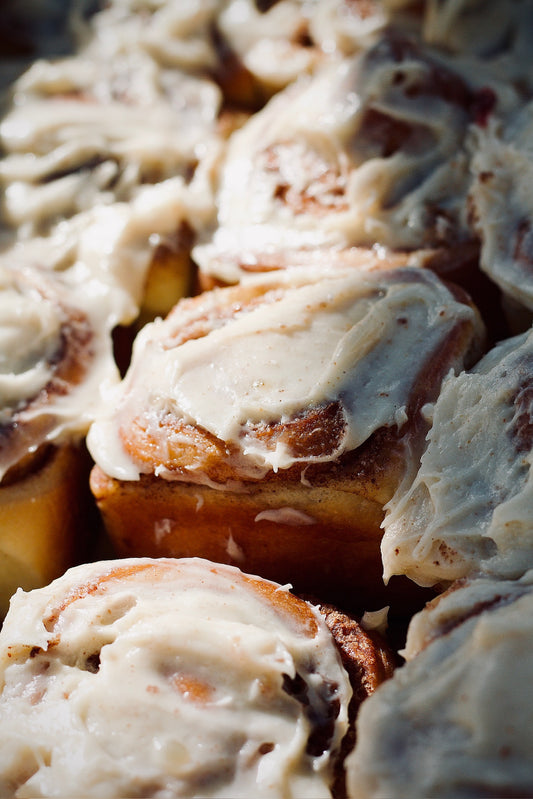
point(56, 359)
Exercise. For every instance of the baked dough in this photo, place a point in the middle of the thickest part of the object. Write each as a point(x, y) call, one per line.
point(226, 441)
point(47, 520)
point(56, 362)
point(176, 678)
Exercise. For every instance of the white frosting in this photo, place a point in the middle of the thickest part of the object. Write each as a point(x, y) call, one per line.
point(85, 131)
point(275, 45)
point(288, 516)
point(166, 678)
point(270, 43)
point(114, 244)
point(371, 149)
point(455, 721)
point(470, 506)
point(319, 336)
point(41, 315)
point(502, 203)
point(29, 331)
point(176, 33)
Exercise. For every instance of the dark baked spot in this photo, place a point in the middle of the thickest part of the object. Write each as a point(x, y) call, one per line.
point(92, 663)
point(483, 104)
point(265, 5)
point(312, 433)
point(321, 711)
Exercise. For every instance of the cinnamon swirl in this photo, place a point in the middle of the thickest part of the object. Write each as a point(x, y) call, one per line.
point(267, 424)
point(177, 678)
point(56, 362)
point(370, 150)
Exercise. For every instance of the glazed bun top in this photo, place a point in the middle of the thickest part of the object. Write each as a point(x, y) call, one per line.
point(93, 130)
point(455, 720)
point(372, 148)
point(229, 685)
point(235, 362)
point(468, 508)
point(56, 359)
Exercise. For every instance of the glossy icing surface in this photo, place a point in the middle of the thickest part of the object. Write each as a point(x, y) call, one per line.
point(254, 367)
point(56, 360)
point(469, 507)
point(455, 720)
point(208, 693)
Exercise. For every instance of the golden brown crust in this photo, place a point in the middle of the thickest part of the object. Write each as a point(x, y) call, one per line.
point(45, 518)
point(322, 539)
point(174, 444)
point(170, 275)
point(369, 661)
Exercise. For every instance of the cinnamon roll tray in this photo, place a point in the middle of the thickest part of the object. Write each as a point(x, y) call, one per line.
point(266, 399)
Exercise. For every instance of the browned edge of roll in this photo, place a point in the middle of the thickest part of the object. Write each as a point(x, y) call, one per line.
point(46, 520)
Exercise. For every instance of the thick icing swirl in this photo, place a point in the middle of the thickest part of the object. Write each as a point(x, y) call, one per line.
point(227, 684)
point(469, 507)
point(87, 131)
point(235, 361)
point(370, 149)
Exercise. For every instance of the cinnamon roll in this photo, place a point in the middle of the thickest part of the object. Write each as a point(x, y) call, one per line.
point(56, 363)
point(455, 720)
point(114, 142)
point(250, 49)
point(267, 424)
point(89, 129)
point(468, 508)
point(177, 678)
point(371, 149)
